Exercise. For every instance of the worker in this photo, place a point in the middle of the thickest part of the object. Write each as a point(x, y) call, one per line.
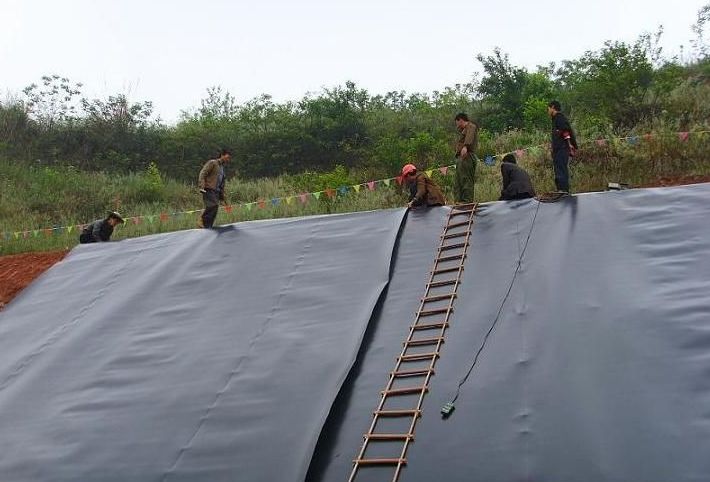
point(464, 177)
point(101, 229)
point(516, 181)
point(423, 191)
point(211, 185)
point(564, 145)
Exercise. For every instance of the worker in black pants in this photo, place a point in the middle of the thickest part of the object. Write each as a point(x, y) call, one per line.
point(564, 145)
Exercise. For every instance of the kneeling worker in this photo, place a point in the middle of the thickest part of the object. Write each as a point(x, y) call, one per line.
point(101, 229)
point(516, 181)
point(422, 190)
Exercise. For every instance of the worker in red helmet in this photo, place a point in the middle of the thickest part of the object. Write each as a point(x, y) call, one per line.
point(423, 191)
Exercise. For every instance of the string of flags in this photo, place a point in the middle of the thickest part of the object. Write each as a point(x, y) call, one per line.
point(329, 193)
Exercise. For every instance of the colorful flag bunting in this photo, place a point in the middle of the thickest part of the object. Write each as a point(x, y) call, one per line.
point(387, 182)
point(317, 194)
point(489, 160)
point(356, 187)
point(371, 185)
point(303, 197)
point(289, 200)
point(683, 136)
point(429, 172)
point(444, 170)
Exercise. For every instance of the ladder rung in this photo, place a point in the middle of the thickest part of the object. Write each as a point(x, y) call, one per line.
point(447, 270)
point(464, 205)
point(397, 413)
point(436, 311)
point(419, 356)
point(454, 235)
point(450, 258)
point(405, 391)
point(459, 212)
point(389, 436)
point(456, 225)
point(436, 284)
point(453, 246)
point(446, 296)
point(380, 461)
point(412, 373)
point(424, 341)
point(430, 326)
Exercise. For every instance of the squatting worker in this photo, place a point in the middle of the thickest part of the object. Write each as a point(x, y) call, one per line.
point(422, 190)
point(516, 181)
point(101, 229)
point(211, 184)
point(464, 177)
point(564, 145)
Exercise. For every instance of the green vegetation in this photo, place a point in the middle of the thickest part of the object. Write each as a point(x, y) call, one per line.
point(65, 159)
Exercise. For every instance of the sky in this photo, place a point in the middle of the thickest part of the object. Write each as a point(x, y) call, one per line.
point(170, 52)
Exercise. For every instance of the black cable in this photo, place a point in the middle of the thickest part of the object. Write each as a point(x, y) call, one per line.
point(448, 407)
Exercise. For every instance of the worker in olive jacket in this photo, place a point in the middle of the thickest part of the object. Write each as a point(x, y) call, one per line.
point(516, 181)
point(211, 184)
point(423, 191)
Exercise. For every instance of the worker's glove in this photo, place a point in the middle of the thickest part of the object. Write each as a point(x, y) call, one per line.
point(203, 191)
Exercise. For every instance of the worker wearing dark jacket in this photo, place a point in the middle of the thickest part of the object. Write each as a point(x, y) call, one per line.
point(564, 145)
point(422, 190)
point(211, 184)
point(465, 175)
point(101, 229)
point(516, 181)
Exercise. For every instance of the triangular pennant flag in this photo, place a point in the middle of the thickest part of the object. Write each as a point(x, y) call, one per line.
point(387, 182)
point(429, 172)
point(444, 170)
point(303, 197)
point(35, 232)
point(343, 190)
point(261, 203)
point(6, 235)
point(70, 229)
point(683, 136)
point(137, 220)
point(275, 201)
point(488, 160)
point(229, 208)
point(371, 185)
point(25, 234)
point(47, 232)
point(330, 193)
point(17, 235)
point(317, 194)
point(647, 137)
point(164, 217)
point(151, 218)
point(399, 179)
point(601, 142)
point(520, 153)
point(289, 200)
point(248, 206)
point(356, 187)
point(633, 140)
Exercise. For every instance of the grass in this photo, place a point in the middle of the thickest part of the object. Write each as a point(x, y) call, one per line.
point(33, 198)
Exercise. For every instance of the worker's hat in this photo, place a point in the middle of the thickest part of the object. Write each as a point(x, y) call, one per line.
point(408, 168)
point(115, 215)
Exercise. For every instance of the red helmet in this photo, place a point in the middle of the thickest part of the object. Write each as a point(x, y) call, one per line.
point(408, 169)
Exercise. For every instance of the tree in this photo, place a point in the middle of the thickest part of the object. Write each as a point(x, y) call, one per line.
point(56, 100)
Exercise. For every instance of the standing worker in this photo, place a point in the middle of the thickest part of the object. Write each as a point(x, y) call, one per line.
point(466, 153)
point(211, 184)
point(564, 145)
point(101, 229)
point(516, 181)
point(423, 191)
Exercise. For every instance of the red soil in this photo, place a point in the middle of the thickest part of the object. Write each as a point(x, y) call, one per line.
point(18, 270)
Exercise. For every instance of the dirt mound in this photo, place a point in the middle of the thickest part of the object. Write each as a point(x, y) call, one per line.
point(19, 270)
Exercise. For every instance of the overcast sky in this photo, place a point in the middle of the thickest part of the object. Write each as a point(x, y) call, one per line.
point(169, 52)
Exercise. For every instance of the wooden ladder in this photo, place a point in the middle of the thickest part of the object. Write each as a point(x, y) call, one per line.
point(394, 420)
